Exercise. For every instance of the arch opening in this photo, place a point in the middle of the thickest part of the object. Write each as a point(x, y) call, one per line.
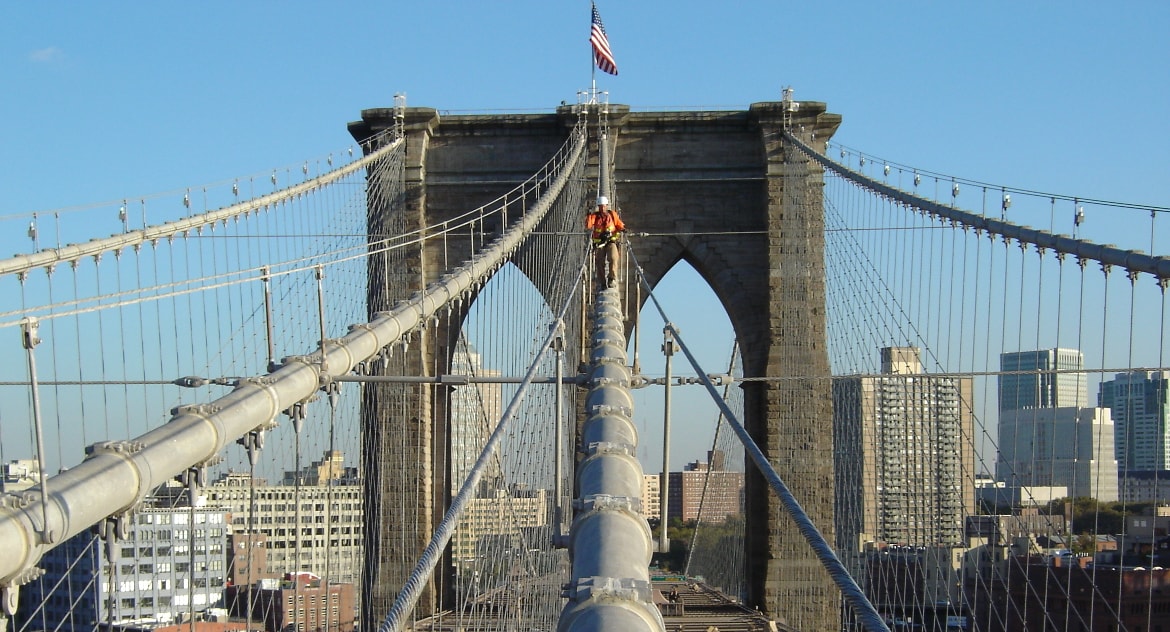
point(706, 467)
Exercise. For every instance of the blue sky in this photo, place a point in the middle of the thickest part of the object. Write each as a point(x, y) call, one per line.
point(130, 98)
point(104, 101)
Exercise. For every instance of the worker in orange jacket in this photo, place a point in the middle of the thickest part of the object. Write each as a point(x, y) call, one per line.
point(606, 226)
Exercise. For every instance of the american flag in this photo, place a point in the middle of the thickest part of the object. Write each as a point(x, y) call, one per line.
point(602, 56)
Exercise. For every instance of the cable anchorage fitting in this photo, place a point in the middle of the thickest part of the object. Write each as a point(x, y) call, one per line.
point(28, 332)
point(195, 477)
point(332, 390)
point(253, 442)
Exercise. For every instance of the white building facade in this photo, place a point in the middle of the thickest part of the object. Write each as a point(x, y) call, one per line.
point(171, 563)
point(1070, 447)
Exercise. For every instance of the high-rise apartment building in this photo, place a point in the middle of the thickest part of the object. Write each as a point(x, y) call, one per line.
point(1047, 378)
point(1140, 419)
point(904, 457)
point(905, 469)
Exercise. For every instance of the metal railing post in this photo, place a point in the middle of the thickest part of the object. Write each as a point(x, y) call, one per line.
point(669, 347)
point(558, 433)
point(29, 339)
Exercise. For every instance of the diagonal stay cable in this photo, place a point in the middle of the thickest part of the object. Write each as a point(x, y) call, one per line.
point(871, 620)
point(413, 587)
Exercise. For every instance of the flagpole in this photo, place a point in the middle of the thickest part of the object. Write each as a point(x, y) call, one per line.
point(592, 62)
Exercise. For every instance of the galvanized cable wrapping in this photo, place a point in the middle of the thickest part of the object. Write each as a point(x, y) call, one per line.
point(610, 543)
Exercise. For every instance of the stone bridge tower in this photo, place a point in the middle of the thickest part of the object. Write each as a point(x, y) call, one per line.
point(717, 190)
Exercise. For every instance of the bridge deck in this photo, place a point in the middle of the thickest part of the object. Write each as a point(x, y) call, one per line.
point(699, 608)
point(704, 608)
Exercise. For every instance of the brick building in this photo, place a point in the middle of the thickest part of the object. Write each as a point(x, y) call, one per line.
point(300, 602)
point(724, 491)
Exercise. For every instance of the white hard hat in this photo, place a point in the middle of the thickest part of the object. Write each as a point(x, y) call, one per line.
point(601, 199)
